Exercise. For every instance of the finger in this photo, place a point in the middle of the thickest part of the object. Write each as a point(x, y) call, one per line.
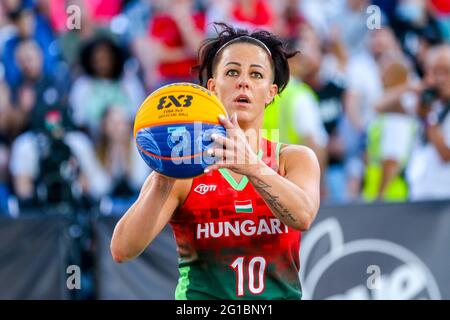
point(234, 120)
point(225, 122)
point(222, 141)
point(221, 155)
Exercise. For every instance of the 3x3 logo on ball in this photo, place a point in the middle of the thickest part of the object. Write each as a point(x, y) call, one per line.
point(182, 100)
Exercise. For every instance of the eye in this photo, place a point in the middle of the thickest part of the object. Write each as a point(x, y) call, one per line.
point(232, 72)
point(256, 74)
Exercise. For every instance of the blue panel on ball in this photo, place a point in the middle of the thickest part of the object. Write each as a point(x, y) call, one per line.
point(178, 149)
point(146, 141)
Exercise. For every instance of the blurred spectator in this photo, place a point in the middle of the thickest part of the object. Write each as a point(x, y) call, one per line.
point(246, 14)
point(288, 19)
point(346, 18)
point(442, 6)
point(428, 172)
point(35, 89)
point(364, 88)
point(7, 130)
point(387, 7)
point(29, 24)
point(4, 188)
point(106, 82)
point(325, 73)
point(175, 31)
point(32, 91)
point(137, 14)
point(441, 9)
point(71, 40)
point(387, 158)
point(52, 166)
point(5, 138)
point(352, 24)
point(295, 113)
point(412, 22)
point(322, 14)
point(252, 14)
point(7, 30)
point(98, 12)
point(118, 155)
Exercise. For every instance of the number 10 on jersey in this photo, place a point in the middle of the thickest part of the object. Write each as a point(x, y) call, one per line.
point(256, 273)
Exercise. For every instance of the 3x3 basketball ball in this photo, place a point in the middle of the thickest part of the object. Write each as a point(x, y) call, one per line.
point(173, 128)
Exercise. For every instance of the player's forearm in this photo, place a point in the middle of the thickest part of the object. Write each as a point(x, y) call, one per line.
point(287, 201)
point(128, 239)
point(141, 223)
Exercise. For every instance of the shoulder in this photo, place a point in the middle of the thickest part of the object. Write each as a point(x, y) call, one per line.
point(296, 157)
point(296, 152)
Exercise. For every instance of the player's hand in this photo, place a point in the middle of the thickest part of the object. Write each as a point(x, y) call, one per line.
point(234, 151)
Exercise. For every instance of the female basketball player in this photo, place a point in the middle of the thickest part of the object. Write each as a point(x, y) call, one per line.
point(238, 226)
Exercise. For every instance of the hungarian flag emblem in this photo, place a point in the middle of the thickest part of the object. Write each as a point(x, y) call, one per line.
point(243, 206)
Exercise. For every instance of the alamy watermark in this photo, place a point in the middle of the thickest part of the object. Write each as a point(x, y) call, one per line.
point(186, 149)
point(374, 19)
point(73, 21)
point(374, 280)
point(74, 279)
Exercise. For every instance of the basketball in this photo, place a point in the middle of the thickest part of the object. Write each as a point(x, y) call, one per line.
point(173, 128)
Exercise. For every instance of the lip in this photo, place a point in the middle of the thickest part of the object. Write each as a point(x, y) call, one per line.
point(242, 96)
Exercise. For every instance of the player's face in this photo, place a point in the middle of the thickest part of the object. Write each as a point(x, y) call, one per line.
point(243, 81)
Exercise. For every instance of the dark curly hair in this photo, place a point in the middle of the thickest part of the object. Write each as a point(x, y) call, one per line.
point(118, 55)
point(212, 48)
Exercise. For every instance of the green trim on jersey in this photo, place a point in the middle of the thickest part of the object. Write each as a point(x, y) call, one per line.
point(243, 183)
point(218, 282)
point(236, 186)
point(183, 283)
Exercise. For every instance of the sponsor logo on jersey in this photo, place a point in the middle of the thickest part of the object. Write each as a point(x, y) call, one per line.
point(243, 206)
point(240, 228)
point(204, 188)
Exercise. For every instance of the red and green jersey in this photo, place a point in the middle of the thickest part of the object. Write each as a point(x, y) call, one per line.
point(230, 245)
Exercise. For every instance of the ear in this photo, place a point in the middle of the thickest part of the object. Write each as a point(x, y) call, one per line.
point(211, 85)
point(271, 94)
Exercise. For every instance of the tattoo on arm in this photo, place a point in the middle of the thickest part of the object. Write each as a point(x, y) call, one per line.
point(271, 200)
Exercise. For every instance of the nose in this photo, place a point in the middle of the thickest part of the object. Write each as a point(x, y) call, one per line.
point(242, 82)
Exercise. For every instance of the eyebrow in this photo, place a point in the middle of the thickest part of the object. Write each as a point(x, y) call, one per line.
point(238, 64)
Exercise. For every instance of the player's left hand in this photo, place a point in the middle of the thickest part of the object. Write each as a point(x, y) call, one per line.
point(234, 151)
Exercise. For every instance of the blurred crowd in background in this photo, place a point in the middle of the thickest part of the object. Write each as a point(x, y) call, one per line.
point(369, 92)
